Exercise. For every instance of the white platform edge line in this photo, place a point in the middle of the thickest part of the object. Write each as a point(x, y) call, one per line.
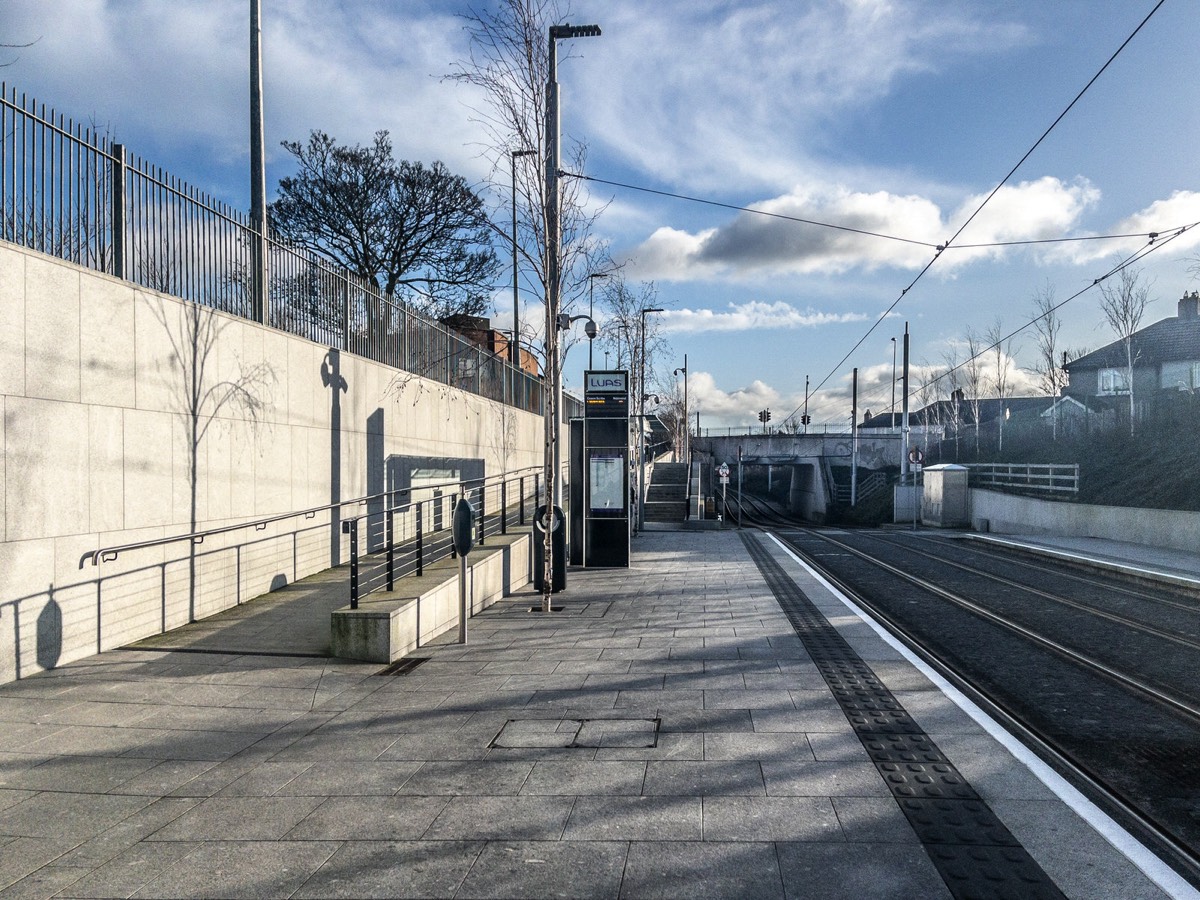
point(1130, 847)
point(1079, 557)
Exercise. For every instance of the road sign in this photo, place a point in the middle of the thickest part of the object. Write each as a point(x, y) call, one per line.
point(723, 470)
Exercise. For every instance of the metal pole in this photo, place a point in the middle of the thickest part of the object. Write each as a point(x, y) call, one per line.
point(258, 172)
point(687, 441)
point(854, 440)
point(804, 419)
point(904, 417)
point(514, 353)
point(552, 298)
point(892, 408)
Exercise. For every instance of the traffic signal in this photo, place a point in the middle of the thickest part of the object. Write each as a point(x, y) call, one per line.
point(764, 416)
point(804, 420)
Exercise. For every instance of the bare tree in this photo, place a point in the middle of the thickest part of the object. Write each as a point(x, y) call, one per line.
point(973, 377)
point(399, 224)
point(621, 308)
point(1123, 305)
point(202, 394)
point(509, 62)
point(1001, 348)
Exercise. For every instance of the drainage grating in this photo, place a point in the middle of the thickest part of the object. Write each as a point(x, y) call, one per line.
point(403, 666)
point(571, 734)
point(976, 855)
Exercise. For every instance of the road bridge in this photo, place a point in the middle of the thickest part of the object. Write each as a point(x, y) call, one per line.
point(807, 457)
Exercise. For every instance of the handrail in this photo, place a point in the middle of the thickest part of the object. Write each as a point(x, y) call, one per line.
point(108, 554)
point(367, 577)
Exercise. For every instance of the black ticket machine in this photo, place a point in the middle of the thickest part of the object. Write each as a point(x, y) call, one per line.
point(605, 469)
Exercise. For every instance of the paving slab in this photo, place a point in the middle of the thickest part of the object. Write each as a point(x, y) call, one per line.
point(665, 735)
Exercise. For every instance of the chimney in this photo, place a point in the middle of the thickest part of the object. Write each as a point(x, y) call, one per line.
point(1189, 305)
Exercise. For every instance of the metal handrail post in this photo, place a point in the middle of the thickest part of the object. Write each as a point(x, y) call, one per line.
point(504, 507)
point(482, 513)
point(420, 540)
point(391, 549)
point(352, 528)
point(521, 502)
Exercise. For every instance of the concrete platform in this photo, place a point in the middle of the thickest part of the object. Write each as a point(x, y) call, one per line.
point(665, 735)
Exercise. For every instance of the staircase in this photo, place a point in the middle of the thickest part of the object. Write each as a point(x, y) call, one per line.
point(666, 498)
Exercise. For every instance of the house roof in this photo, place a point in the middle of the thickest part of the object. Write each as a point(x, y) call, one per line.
point(990, 408)
point(1168, 340)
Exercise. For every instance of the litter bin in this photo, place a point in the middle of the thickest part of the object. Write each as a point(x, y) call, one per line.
point(558, 551)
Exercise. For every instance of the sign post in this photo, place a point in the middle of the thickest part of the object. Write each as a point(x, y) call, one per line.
point(463, 534)
point(723, 471)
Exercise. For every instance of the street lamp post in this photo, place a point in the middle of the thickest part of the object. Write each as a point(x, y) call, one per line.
point(892, 408)
point(553, 297)
point(686, 437)
point(642, 427)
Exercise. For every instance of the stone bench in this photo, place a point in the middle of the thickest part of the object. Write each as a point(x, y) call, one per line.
point(389, 625)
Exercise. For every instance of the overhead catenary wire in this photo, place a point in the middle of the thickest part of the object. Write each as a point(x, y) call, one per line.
point(705, 201)
point(1151, 246)
point(978, 209)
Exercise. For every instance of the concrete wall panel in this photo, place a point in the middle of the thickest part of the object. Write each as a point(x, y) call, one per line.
point(12, 335)
point(1013, 514)
point(52, 351)
point(106, 476)
point(97, 452)
point(46, 456)
point(106, 342)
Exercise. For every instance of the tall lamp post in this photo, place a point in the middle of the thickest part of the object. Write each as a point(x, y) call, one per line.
point(553, 404)
point(642, 427)
point(686, 437)
point(892, 408)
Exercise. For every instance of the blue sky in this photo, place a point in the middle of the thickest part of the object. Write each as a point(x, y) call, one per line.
point(895, 116)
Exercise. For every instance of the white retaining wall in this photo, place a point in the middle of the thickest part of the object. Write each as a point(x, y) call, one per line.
point(1013, 514)
point(111, 396)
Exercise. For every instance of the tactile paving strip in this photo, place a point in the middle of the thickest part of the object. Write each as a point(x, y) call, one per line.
point(976, 855)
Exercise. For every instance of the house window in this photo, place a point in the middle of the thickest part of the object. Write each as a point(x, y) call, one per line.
point(1114, 381)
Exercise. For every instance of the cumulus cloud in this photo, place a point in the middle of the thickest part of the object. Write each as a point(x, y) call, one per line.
point(1163, 217)
point(752, 244)
point(755, 314)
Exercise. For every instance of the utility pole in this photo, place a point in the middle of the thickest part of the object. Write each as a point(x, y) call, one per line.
point(258, 174)
point(854, 440)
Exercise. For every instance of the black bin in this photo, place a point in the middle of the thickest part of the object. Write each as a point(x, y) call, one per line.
point(558, 551)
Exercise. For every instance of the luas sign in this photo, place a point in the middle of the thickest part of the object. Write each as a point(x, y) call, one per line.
point(607, 382)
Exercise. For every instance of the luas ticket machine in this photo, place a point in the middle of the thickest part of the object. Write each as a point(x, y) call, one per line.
point(605, 475)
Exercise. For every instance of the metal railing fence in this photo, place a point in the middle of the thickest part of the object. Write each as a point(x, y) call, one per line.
point(66, 190)
point(388, 544)
point(1041, 477)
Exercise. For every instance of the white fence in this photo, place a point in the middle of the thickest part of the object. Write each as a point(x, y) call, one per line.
point(1058, 479)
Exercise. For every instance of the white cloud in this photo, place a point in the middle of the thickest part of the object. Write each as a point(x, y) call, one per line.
point(1164, 217)
point(753, 315)
point(752, 245)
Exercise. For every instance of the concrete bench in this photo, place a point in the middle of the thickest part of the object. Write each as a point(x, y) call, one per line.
point(389, 625)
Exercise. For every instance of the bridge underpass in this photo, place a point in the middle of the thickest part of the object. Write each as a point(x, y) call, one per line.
point(807, 459)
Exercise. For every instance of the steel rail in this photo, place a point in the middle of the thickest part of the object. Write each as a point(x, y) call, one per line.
point(1179, 855)
point(1063, 601)
point(1081, 659)
point(1074, 573)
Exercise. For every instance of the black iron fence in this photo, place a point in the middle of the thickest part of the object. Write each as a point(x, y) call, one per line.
point(68, 191)
point(387, 544)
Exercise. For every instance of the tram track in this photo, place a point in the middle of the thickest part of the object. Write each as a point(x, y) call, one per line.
point(1068, 704)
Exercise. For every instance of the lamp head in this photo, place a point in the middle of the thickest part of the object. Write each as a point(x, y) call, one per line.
point(591, 330)
point(566, 32)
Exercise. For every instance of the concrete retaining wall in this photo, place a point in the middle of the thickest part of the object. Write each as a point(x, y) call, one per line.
point(1013, 514)
point(388, 626)
point(128, 415)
